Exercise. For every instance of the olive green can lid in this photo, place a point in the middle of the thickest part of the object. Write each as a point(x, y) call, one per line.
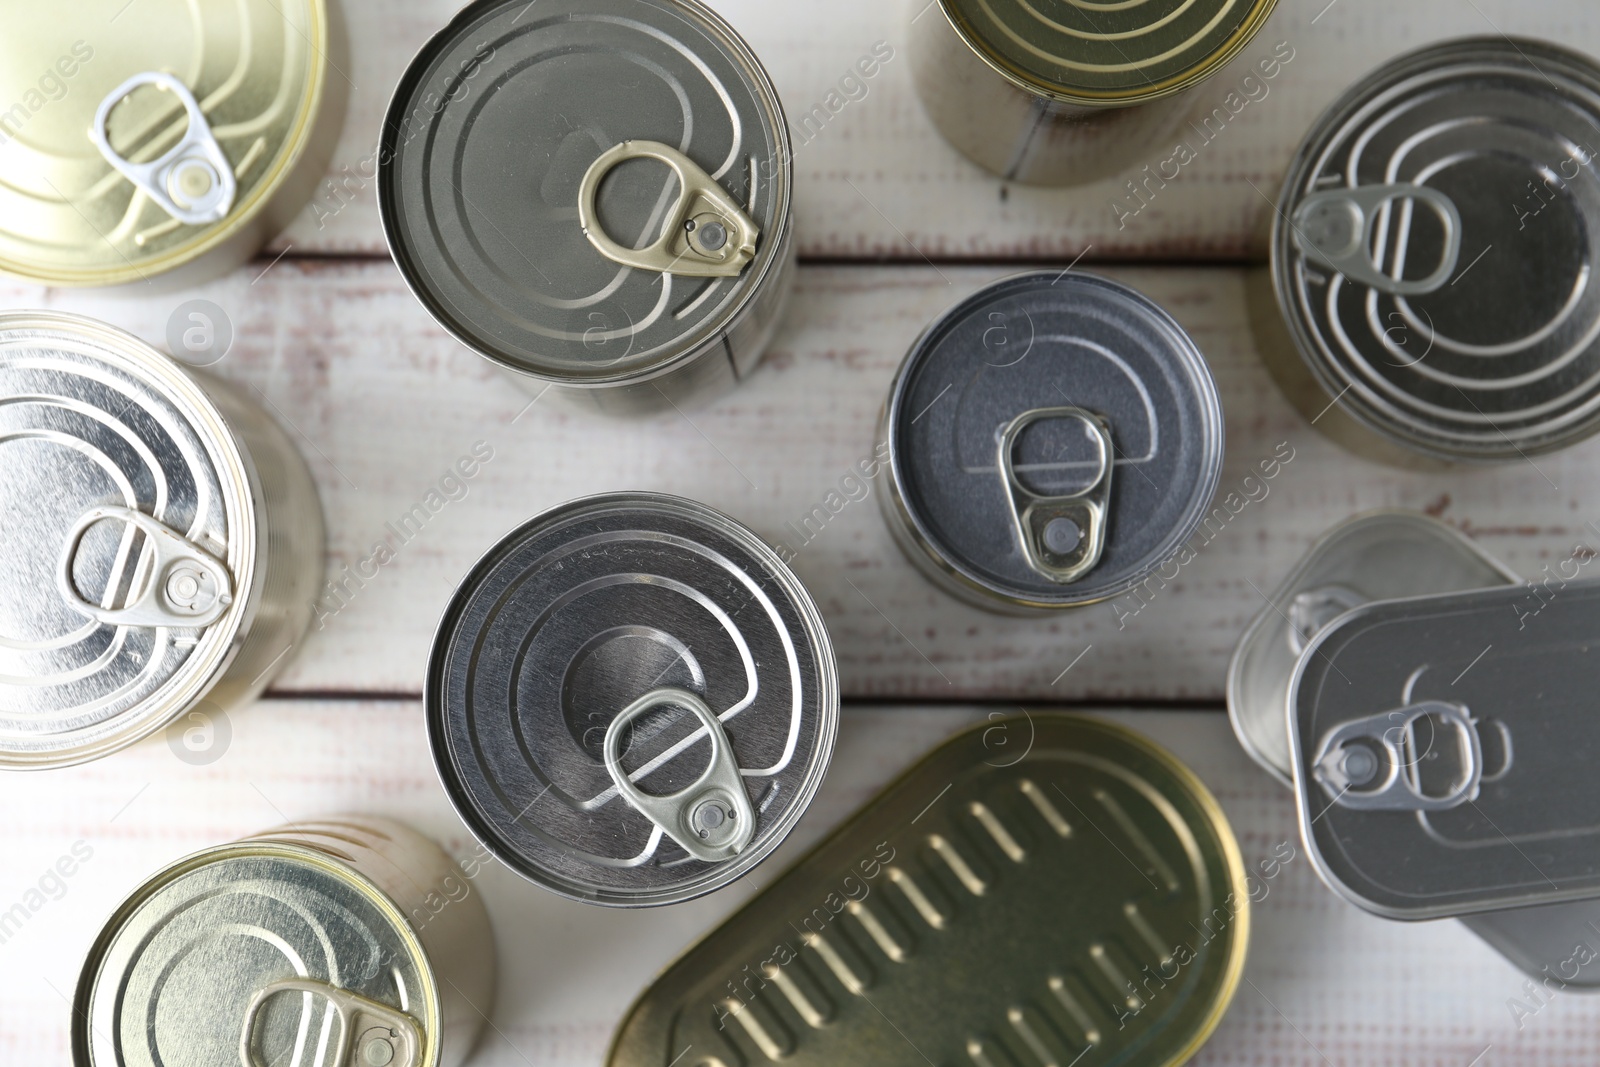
point(1107, 54)
point(1041, 889)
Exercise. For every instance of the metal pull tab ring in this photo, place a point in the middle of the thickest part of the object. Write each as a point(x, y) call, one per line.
point(193, 182)
point(1062, 536)
point(378, 1035)
point(185, 586)
point(1334, 228)
point(1353, 774)
point(712, 819)
point(707, 234)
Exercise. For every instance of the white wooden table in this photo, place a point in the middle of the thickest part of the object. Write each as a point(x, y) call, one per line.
point(893, 228)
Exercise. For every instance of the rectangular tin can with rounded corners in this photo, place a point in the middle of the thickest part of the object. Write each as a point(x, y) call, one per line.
point(341, 941)
point(951, 920)
point(165, 545)
point(596, 198)
point(1073, 97)
point(165, 147)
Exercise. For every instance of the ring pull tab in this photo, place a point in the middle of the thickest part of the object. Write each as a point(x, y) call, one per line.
point(707, 234)
point(1062, 536)
point(193, 182)
point(371, 1034)
point(712, 819)
point(1334, 229)
point(1310, 612)
point(184, 585)
point(1364, 764)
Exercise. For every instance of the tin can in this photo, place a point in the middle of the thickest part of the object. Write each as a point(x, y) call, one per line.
point(1062, 95)
point(596, 198)
point(631, 700)
point(1053, 440)
point(163, 147)
point(1432, 252)
point(949, 921)
point(163, 541)
point(317, 943)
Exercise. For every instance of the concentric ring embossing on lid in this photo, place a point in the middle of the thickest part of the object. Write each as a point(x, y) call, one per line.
point(1054, 438)
point(631, 700)
point(1107, 54)
point(1434, 251)
point(130, 548)
point(531, 158)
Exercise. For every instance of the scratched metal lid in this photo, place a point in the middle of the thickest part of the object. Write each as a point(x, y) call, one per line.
point(631, 700)
point(1106, 54)
point(1054, 439)
point(257, 945)
point(1434, 250)
point(129, 545)
point(1384, 555)
point(1442, 751)
point(137, 141)
point(951, 921)
point(585, 190)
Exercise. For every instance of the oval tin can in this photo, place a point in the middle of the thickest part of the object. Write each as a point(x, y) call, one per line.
point(163, 541)
point(1053, 440)
point(594, 195)
point(1058, 94)
point(315, 943)
point(1432, 257)
point(631, 700)
point(166, 144)
point(951, 920)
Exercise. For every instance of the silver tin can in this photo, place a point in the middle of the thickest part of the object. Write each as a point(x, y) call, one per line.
point(338, 942)
point(1074, 94)
point(1382, 555)
point(594, 195)
point(1053, 440)
point(1432, 256)
point(163, 541)
point(631, 700)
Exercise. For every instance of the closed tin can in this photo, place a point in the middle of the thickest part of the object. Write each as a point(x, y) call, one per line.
point(631, 700)
point(1053, 440)
point(594, 195)
point(163, 541)
point(165, 145)
point(341, 941)
point(1058, 94)
point(951, 921)
point(1432, 256)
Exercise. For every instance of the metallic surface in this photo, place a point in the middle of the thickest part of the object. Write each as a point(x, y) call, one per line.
point(483, 159)
point(1049, 338)
point(266, 75)
point(1487, 353)
point(1039, 889)
point(363, 905)
point(93, 420)
point(577, 615)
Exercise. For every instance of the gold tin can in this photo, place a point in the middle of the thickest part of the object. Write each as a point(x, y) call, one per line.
point(167, 140)
point(1075, 93)
point(1036, 889)
point(342, 941)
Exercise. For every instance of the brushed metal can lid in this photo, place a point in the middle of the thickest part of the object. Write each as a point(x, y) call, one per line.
point(274, 949)
point(1434, 250)
point(586, 191)
point(136, 144)
point(1054, 438)
point(631, 700)
point(130, 547)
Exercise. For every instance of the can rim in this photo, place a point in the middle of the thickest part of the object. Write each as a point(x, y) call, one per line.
point(828, 700)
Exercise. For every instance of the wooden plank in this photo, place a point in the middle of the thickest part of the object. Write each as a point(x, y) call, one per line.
point(383, 404)
point(878, 181)
point(1326, 984)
